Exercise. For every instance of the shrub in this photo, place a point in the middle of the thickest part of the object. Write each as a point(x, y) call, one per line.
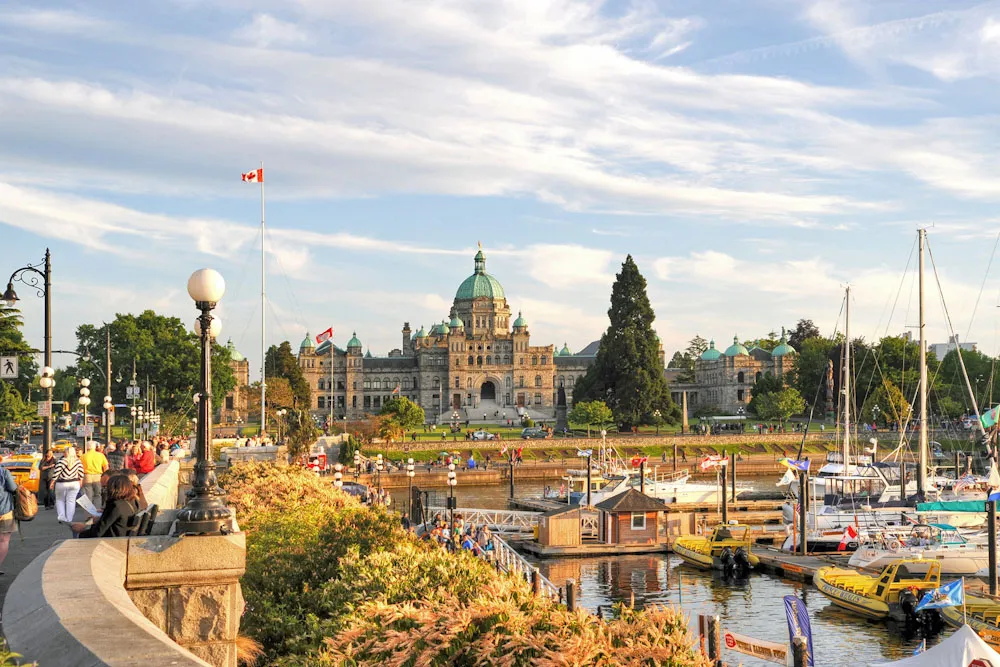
point(329, 581)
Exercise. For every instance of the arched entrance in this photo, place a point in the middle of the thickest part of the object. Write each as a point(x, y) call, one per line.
point(488, 392)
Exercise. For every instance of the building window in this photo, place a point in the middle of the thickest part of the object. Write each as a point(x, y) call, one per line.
point(340, 402)
point(758, 376)
point(538, 399)
point(368, 401)
point(354, 387)
point(229, 402)
point(437, 383)
point(368, 384)
point(479, 361)
point(543, 360)
point(572, 380)
point(489, 360)
point(506, 399)
point(406, 383)
point(638, 521)
point(354, 402)
point(414, 382)
point(522, 361)
point(376, 384)
point(538, 380)
point(741, 377)
point(378, 401)
point(562, 381)
point(520, 381)
point(458, 384)
point(534, 360)
point(739, 395)
point(320, 402)
point(507, 382)
point(471, 360)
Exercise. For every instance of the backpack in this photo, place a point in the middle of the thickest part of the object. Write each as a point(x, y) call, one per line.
point(25, 504)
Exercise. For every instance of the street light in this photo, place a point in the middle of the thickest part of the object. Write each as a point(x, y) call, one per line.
point(205, 511)
point(656, 415)
point(378, 467)
point(452, 481)
point(281, 415)
point(410, 472)
point(357, 465)
point(29, 275)
point(338, 477)
point(84, 402)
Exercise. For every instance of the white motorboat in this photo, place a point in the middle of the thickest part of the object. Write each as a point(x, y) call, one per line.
point(939, 543)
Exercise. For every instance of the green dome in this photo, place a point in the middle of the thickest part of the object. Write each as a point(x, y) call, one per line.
point(421, 333)
point(711, 354)
point(307, 343)
point(736, 348)
point(443, 328)
point(368, 354)
point(565, 351)
point(480, 283)
point(783, 347)
point(354, 342)
point(456, 322)
point(234, 354)
point(520, 321)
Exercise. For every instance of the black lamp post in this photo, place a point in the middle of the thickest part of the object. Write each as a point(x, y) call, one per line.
point(205, 511)
point(452, 481)
point(410, 472)
point(29, 275)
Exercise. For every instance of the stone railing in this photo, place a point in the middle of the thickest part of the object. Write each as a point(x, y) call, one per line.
point(161, 486)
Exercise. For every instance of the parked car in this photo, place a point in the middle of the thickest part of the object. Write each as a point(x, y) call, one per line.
point(483, 435)
point(533, 433)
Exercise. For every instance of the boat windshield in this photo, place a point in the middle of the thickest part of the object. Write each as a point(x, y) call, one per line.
point(729, 532)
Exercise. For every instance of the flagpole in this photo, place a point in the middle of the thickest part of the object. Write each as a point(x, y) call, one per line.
point(965, 617)
point(263, 315)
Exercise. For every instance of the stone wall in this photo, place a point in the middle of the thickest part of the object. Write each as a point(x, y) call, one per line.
point(161, 486)
point(69, 608)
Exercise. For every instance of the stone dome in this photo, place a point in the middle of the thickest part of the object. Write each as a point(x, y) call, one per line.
point(234, 354)
point(565, 351)
point(480, 283)
point(736, 348)
point(307, 343)
point(354, 342)
point(520, 321)
point(456, 322)
point(711, 354)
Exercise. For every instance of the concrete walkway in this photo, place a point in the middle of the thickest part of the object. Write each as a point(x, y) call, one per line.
point(38, 535)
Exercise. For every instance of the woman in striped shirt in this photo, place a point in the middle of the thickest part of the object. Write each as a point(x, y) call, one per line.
point(66, 478)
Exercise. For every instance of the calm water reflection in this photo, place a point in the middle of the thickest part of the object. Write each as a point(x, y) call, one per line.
point(754, 607)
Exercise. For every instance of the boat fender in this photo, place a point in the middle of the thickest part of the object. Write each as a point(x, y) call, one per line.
point(894, 545)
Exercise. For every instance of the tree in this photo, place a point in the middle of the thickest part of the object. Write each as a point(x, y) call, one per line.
point(163, 350)
point(811, 364)
point(627, 373)
point(803, 331)
point(767, 384)
point(687, 359)
point(677, 361)
point(12, 343)
point(780, 405)
point(767, 344)
point(591, 413)
point(279, 361)
point(398, 415)
point(892, 405)
point(13, 409)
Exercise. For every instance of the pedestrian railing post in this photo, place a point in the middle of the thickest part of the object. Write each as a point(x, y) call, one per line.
point(536, 582)
point(571, 594)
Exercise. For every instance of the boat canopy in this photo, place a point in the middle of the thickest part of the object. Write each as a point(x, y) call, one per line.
point(963, 648)
point(953, 506)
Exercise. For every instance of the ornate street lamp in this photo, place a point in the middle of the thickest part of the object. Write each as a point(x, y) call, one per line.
point(84, 402)
point(338, 477)
point(45, 291)
point(378, 467)
point(452, 481)
point(206, 510)
point(357, 465)
point(410, 472)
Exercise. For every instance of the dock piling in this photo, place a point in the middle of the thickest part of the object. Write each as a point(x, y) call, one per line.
point(570, 595)
point(536, 582)
point(800, 652)
point(714, 640)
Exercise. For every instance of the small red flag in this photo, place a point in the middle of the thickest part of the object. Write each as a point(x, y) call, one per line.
point(255, 176)
point(324, 336)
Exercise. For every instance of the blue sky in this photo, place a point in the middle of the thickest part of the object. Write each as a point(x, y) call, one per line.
point(753, 155)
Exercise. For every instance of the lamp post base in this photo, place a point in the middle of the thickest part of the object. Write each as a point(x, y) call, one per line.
point(207, 514)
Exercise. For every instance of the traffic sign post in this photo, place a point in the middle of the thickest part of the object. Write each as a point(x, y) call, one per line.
point(44, 408)
point(8, 368)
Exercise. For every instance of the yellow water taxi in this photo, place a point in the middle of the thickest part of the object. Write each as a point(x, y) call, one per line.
point(982, 614)
point(878, 597)
point(729, 546)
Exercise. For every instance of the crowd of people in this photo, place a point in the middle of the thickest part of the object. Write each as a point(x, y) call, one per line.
point(477, 539)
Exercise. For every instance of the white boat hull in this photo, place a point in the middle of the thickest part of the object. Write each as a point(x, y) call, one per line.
point(955, 561)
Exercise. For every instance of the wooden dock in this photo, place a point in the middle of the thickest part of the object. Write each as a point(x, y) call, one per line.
point(588, 548)
point(791, 566)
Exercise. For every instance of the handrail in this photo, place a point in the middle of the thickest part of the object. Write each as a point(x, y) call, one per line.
point(512, 521)
point(508, 560)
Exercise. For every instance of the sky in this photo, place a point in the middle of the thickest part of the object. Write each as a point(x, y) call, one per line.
point(754, 156)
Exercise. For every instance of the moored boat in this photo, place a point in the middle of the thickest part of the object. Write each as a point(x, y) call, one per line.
point(982, 614)
point(729, 547)
point(936, 542)
point(894, 593)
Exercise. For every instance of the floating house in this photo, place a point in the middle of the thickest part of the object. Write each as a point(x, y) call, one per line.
point(630, 518)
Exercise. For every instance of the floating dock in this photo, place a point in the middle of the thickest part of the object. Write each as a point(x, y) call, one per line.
point(796, 567)
point(588, 548)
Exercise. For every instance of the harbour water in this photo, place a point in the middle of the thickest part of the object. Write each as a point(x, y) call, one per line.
point(754, 607)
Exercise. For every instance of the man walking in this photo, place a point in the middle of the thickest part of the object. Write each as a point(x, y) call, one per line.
point(94, 465)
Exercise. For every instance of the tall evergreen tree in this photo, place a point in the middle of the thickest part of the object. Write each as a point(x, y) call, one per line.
point(280, 362)
point(627, 373)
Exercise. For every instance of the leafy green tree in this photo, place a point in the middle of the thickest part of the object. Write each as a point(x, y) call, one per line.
point(767, 384)
point(627, 373)
point(892, 406)
point(705, 411)
point(591, 413)
point(811, 365)
point(688, 357)
point(12, 343)
point(279, 361)
point(767, 344)
point(13, 409)
point(164, 350)
point(398, 415)
point(780, 405)
point(803, 331)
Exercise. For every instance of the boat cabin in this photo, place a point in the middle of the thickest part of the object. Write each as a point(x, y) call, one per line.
point(630, 518)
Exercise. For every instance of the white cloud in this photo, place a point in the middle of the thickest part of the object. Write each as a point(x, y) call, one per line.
point(265, 30)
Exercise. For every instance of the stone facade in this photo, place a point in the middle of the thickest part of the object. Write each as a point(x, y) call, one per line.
point(234, 407)
point(723, 380)
point(476, 363)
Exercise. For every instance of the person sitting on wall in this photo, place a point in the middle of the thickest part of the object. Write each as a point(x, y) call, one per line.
point(121, 506)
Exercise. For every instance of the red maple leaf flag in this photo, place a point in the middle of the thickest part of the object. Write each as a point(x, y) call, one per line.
point(324, 336)
point(255, 176)
point(395, 391)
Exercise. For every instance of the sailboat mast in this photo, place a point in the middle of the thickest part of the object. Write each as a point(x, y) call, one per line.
point(847, 379)
point(263, 316)
point(922, 462)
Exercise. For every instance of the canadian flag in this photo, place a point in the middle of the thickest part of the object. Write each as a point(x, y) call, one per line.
point(503, 450)
point(255, 176)
point(850, 533)
point(324, 336)
point(396, 390)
